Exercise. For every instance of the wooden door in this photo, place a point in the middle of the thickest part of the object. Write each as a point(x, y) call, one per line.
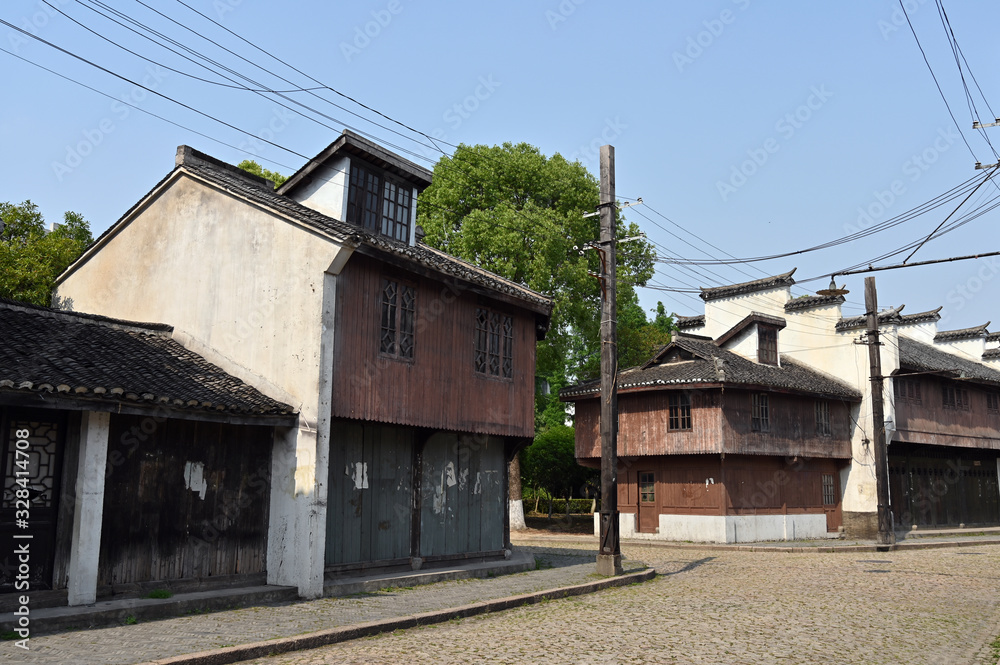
point(831, 502)
point(649, 516)
point(32, 446)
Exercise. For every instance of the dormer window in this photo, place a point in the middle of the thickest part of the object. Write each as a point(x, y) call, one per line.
point(378, 202)
point(767, 345)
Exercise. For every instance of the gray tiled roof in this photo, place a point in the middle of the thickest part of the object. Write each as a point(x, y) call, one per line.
point(993, 337)
point(692, 360)
point(991, 353)
point(88, 357)
point(809, 302)
point(885, 317)
point(763, 284)
point(683, 322)
point(920, 357)
point(963, 333)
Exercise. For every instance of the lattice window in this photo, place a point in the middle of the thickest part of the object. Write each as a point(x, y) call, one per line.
point(908, 389)
point(494, 344)
point(823, 418)
point(399, 306)
point(993, 402)
point(955, 398)
point(647, 487)
point(378, 203)
point(829, 490)
point(760, 420)
point(41, 463)
point(679, 411)
point(767, 345)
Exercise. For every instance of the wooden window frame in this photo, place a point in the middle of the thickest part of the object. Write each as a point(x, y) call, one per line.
point(378, 202)
point(679, 412)
point(822, 411)
point(993, 403)
point(953, 397)
point(397, 319)
point(647, 487)
point(760, 412)
point(767, 345)
point(493, 344)
point(909, 390)
point(829, 485)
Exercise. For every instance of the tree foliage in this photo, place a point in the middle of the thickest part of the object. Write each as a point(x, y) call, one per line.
point(519, 214)
point(253, 167)
point(30, 257)
point(550, 464)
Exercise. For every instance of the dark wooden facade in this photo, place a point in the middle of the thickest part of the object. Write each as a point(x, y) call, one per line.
point(184, 500)
point(721, 423)
point(439, 387)
point(730, 485)
point(922, 417)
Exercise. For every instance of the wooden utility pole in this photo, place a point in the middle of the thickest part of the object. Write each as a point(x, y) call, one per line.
point(609, 557)
point(886, 534)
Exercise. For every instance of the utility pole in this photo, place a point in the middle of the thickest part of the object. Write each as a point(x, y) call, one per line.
point(609, 557)
point(886, 534)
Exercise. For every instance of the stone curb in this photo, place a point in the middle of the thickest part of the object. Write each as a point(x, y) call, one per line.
point(811, 549)
point(344, 633)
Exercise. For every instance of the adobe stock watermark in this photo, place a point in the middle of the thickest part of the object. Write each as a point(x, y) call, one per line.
point(34, 23)
point(562, 12)
point(913, 169)
point(786, 127)
point(223, 7)
point(370, 30)
point(965, 292)
point(897, 20)
point(590, 152)
point(704, 39)
point(456, 114)
point(121, 110)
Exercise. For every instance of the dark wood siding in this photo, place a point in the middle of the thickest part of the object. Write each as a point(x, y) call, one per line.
point(720, 424)
point(928, 421)
point(184, 499)
point(439, 387)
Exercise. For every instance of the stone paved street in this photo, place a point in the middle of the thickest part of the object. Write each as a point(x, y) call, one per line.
point(915, 607)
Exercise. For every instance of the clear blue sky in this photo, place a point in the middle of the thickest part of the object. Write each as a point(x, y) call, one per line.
point(759, 127)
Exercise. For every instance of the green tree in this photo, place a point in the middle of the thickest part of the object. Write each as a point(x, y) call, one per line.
point(518, 213)
point(30, 257)
point(253, 167)
point(550, 464)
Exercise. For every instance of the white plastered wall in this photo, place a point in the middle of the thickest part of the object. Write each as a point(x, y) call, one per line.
point(326, 191)
point(252, 292)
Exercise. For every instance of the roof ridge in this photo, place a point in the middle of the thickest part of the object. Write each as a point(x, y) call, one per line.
point(772, 281)
point(962, 333)
point(163, 329)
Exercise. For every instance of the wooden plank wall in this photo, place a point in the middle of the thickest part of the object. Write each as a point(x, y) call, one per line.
point(929, 422)
point(792, 427)
point(439, 388)
point(157, 528)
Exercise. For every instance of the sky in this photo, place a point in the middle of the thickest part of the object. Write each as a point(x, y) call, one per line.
point(749, 129)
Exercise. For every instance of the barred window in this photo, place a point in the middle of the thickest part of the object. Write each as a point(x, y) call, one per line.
point(399, 306)
point(680, 412)
point(494, 344)
point(377, 202)
point(955, 398)
point(829, 490)
point(767, 345)
point(993, 402)
point(908, 389)
point(823, 418)
point(759, 413)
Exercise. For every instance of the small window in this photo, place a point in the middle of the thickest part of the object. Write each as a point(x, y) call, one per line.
point(647, 487)
point(680, 412)
point(494, 344)
point(908, 390)
point(823, 418)
point(955, 398)
point(760, 420)
point(399, 306)
point(379, 203)
point(767, 345)
point(829, 490)
point(993, 402)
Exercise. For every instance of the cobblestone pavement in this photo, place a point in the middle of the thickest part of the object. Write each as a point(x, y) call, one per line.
point(159, 639)
point(938, 606)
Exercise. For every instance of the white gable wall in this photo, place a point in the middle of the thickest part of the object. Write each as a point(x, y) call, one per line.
point(326, 191)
